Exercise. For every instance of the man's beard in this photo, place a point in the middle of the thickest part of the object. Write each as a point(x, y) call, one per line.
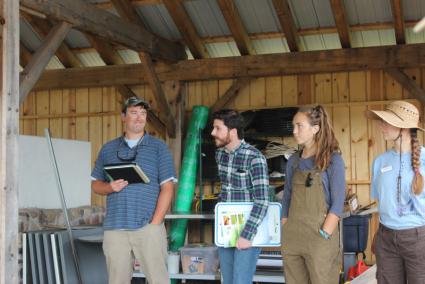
point(222, 142)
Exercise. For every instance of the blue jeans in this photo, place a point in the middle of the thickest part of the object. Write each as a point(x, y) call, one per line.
point(238, 266)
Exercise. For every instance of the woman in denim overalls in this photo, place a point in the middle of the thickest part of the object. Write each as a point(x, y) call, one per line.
point(313, 202)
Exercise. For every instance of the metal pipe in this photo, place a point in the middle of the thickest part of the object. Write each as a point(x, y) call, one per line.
point(63, 202)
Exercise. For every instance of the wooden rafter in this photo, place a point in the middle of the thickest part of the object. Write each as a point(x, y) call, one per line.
point(9, 144)
point(127, 11)
point(326, 61)
point(230, 94)
point(64, 53)
point(186, 28)
point(24, 55)
point(41, 58)
point(88, 18)
point(234, 22)
point(341, 22)
point(409, 84)
point(397, 9)
point(287, 24)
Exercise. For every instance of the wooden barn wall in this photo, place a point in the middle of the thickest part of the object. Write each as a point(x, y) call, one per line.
point(92, 114)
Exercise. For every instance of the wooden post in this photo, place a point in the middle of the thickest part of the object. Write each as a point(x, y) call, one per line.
point(9, 119)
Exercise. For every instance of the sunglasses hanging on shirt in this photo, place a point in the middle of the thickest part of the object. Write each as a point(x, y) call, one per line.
point(127, 154)
point(308, 180)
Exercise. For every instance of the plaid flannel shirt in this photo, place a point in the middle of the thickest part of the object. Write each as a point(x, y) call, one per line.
point(244, 178)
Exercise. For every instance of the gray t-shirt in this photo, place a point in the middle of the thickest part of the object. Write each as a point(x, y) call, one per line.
point(333, 179)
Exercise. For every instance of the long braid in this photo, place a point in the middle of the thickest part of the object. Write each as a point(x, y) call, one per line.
point(418, 179)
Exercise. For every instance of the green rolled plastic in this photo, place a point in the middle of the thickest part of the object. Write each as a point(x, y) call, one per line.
point(187, 181)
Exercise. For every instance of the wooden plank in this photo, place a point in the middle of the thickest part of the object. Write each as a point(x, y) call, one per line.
point(415, 75)
point(64, 53)
point(69, 107)
point(410, 85)
point(236, 27)
point(305, 89)
point(9, 120)
point(55, 124)
point(82, 106)
point(397, 9)
point(257, 93)
point(186, 28)
point(341, 22)
point(29, 125)
point(368, 58)
point(274, 91)
point(230, 94)
point(340, 87)
point(42, 108)
point(357, 83)
point(242, 100)
point(88, 18)
point(289, 90)
point(341, 126)
point(41, 58)
point(287, 24)
point(323, 88)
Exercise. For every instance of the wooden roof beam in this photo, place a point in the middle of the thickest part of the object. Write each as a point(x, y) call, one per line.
point(308, 62)
point(341, 22)
point(41, 58)
point(24, 55)
point(127, 11)
point(230, 94)
point(234, 22)
point(88, 18)
point(397, 10)
point(64, 53)
point(186, 28)
point(408, 83)
point(287, 24)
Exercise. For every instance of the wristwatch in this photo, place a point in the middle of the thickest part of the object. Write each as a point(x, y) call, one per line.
point(325, 235)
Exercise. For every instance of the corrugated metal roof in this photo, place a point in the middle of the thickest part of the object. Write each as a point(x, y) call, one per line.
point(28, 36)
point(413, 9)
point(222, 49)
point(258, 16)
point(311, 13)
point(90, 59)
point(76, 39)
point(158, 21)
point(54, 63)
point(412, 37)
point(207, 18)
point(129, 56)
point(373, 38)
point(320, 42)
point(272, 45)
point(366, 11)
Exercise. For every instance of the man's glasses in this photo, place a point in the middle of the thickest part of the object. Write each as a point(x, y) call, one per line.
point(126, 154)
point(308, 180)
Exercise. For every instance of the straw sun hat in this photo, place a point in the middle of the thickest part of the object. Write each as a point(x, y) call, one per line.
point(399, 114)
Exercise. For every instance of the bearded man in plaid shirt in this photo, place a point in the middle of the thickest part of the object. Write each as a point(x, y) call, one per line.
point(244, 178)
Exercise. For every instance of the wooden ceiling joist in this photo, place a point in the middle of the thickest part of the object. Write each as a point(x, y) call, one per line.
point(186, 28)
point(234, 22)
point(408, 83)
point(341, 22)
point(127, 11)
point(338, 60)
point(64, 53)
point(106, 51)
point(230, 94)
point(287, 24)
point(24, 55)
point(41, 58)
point(88, 18)
point(397, 10)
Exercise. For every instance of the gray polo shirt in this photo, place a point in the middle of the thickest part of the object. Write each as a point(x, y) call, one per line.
point(134, 206)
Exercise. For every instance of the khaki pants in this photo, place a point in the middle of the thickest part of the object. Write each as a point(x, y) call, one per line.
point(148, 245)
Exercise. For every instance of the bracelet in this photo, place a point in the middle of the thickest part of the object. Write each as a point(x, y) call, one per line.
point(325, 235)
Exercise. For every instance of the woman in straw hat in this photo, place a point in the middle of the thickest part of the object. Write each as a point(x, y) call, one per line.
point(398, 185)
point(313, 201)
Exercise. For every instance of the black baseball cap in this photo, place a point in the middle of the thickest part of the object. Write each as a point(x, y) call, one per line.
point(134, 101)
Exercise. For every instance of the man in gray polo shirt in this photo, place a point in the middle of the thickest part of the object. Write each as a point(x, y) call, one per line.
point(135, 212)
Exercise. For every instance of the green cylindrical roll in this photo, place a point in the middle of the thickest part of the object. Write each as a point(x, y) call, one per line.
point(187, 181)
